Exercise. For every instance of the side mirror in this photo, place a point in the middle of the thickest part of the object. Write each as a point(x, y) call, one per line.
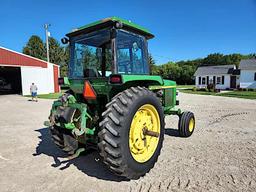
point(61, 81)
point(64, 40)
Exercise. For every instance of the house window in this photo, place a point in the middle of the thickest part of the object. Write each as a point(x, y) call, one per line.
point(207, 80)
point(199, 80)
point(254, 76)
point(218, 80)
point(223, 80)
point(203, 81)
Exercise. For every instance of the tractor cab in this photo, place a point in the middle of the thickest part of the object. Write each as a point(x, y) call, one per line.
point(108, 46)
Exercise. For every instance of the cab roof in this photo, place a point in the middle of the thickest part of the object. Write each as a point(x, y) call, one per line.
point(108, 22)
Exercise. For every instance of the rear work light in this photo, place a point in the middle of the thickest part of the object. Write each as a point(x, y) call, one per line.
point(88, 92)
point(115, 79)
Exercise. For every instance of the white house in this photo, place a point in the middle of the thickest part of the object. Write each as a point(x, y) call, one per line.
point(222, 76)
point(248, 73)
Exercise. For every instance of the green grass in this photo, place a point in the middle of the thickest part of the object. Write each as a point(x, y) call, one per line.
point(238, 94)
point(47, 96)
point(197, 92)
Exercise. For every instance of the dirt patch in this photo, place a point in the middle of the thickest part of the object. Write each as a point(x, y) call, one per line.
point(219, 156)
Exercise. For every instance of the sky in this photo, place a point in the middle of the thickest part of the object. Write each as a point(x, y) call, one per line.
point(183, 29)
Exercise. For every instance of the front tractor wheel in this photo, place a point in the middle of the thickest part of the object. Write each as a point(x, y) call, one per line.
point(132, 132)
point(186, 124)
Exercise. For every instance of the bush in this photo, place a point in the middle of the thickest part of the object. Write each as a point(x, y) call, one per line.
point(210, 86)
point(194, 89)
point(250, 89)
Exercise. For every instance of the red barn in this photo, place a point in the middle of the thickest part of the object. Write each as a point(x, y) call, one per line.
point(18, 71)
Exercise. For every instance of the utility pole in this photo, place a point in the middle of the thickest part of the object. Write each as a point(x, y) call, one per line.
point(46, 26)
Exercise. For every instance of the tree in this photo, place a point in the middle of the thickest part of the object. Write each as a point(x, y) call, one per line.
point(56, 52)
point(153, 68)
point(59, 55)
point(64, 63)
point(151, 63)
point(220, 59)
point(214, 59)
point(35, 47)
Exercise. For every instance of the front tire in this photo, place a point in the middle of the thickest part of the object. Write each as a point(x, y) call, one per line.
point(186, 124)
point(124, 146)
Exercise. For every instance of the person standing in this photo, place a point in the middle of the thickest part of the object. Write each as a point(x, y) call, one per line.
point(33, 91)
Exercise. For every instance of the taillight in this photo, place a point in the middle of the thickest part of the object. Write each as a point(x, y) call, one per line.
point(115, 79)
point(89, 92)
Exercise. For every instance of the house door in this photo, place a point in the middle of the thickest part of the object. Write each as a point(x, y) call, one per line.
point(233, 82)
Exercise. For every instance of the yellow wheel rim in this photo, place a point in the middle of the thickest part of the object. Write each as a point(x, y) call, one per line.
point(142, 146)
point(191, 125)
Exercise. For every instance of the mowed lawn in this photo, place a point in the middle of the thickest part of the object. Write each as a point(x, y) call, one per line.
point(48, 96)
point(181, 88)
point(238, 94)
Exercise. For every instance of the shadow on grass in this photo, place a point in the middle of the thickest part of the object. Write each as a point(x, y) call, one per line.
point(88, 163)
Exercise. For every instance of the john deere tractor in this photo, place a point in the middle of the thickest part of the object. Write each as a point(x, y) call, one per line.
point(113, 103)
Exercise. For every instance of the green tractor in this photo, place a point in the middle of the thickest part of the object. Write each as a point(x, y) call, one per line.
point(113, 103)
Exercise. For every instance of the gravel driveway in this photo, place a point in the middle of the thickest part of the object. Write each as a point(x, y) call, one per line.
point(219, 156)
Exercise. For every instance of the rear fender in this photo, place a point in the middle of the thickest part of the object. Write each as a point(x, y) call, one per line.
point(134, 81)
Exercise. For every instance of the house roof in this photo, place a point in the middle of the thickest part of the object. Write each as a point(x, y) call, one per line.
point(12, 58)
point(214, 70)
point(248, 64)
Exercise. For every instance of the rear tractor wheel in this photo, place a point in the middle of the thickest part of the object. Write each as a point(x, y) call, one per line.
point(186, 124)
point(64, 139)
point(132, 132)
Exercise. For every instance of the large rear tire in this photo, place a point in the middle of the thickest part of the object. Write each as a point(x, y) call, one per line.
point(124, 145)
point(64, 139)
